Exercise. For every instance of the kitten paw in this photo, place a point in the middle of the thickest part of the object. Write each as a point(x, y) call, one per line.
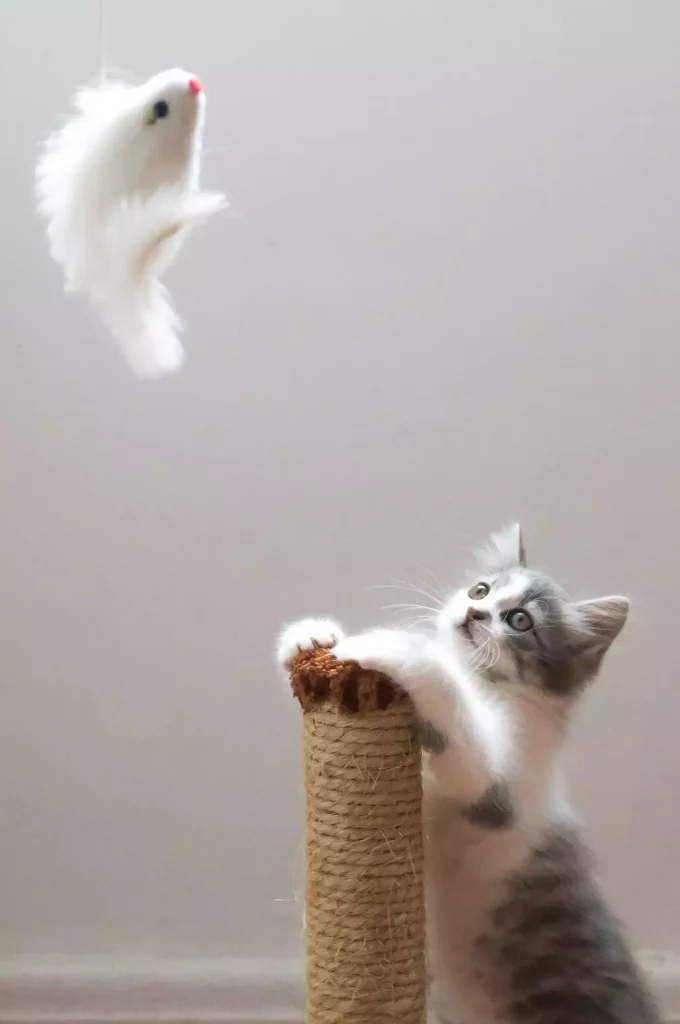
point(300, 636)
point(411, 661)
point(391, 651)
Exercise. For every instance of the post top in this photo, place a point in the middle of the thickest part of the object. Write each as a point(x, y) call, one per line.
point(317, 677)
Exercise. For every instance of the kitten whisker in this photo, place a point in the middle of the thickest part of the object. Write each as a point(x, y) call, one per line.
point(406, 604)
point(441, 590)
point(418, 590)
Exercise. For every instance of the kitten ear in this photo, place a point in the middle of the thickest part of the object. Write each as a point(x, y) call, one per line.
point(600, 622)
point(505, 550)
point(603, 617)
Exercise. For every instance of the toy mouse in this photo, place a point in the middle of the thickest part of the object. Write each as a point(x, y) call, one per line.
point(119, 187)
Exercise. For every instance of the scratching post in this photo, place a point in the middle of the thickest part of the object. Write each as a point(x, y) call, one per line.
point(364, 853)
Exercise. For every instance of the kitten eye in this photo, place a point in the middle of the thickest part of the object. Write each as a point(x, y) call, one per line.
point(519, 620)
point(479, 591)
point(160, 109)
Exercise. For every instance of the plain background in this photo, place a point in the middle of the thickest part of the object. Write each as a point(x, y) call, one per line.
point(447, 295)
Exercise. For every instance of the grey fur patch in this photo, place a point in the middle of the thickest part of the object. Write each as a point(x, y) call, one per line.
point(549, 653)
point(493, 809)
point(431, 739)
point(553, 953)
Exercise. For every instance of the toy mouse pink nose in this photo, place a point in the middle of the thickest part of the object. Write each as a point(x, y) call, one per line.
point(195, 86)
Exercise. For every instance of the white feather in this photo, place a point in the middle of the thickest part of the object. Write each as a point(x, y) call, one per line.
point(118, 186)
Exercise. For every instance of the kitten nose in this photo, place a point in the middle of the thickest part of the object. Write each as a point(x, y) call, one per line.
point(477, 614)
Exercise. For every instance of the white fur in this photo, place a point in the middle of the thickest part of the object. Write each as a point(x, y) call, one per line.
point(299, 636)
point(120, 194)
point(477, 724)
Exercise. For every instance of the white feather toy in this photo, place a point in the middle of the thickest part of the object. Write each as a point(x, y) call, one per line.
point(119, 187)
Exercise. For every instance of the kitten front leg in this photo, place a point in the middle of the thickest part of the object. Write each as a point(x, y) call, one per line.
point(466, 731)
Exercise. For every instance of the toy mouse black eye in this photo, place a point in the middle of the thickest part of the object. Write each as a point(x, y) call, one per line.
point(160, 109)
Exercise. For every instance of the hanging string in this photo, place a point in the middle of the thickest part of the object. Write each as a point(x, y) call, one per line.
point(102, 43)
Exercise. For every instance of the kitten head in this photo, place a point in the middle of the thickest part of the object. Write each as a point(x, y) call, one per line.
point(515, 624)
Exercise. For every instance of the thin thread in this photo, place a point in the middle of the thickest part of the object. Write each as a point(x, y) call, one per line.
point(102, 43)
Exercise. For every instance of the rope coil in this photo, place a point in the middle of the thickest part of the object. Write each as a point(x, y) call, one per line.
point(364, 851)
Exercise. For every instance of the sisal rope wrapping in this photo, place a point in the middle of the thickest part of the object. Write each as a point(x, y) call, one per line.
point(364, 849)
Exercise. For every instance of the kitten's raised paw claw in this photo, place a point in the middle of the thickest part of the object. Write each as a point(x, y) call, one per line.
point(300, 636)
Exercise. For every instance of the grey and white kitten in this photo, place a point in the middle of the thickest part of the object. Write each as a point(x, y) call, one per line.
point(518, 930)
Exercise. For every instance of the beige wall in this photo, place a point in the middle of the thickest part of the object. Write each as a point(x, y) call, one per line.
point(449, 294)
